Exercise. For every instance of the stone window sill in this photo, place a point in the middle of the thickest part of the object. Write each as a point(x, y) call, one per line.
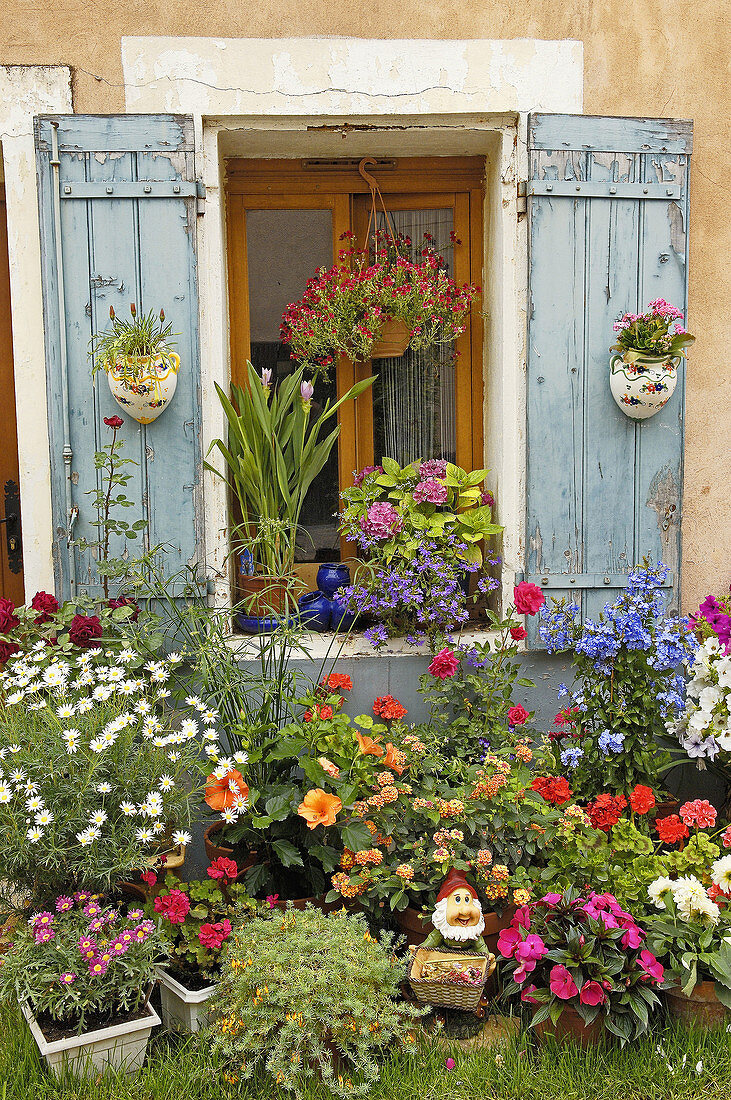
point(318, 646)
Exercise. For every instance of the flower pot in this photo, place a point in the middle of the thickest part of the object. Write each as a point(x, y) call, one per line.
point(416, 930)
point(642, 385)
point(216, 850)
point(331, 576)
point(144, 386)
point(570, 1027)
point(664, 809)
point(315, 611)
point(702, 1008)
point(264, 597)
point(393, 342)
point(182, 1009)
point(120, 1047)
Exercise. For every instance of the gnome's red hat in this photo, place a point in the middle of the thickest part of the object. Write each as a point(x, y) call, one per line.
point(455, 880)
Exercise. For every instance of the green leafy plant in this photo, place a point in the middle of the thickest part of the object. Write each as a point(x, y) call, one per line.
point(272, 455)
point(82, 964)
point(127, 345)
point(648, 333)
point(305, 995)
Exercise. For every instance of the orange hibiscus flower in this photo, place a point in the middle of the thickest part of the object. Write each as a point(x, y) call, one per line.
point(368, 745)
point(395, 759)
point(319, 808)
point(222, 793)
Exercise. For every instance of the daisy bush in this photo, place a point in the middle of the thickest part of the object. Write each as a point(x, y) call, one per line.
point(97, 773)
point(704, 727)
point(81, 959)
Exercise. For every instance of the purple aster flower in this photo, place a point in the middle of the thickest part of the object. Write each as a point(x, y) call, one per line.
point(63, 904)
point(67, 978)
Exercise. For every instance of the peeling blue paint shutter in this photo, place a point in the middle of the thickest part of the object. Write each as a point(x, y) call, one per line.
point(608, 221)
point(127, 212)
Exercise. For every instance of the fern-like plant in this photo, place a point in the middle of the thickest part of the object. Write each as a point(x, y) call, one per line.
point(307, 995)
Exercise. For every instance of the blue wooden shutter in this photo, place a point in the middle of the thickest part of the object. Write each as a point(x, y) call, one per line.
point(608, 220)
point(122, 230)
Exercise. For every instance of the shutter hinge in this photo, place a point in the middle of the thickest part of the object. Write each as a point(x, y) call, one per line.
point(582, 580)
point(583, 189)
point(522, 201)
point(200, 190)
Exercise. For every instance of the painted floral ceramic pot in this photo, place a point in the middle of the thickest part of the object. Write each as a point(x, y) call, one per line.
point(143, 387)
point(642, 385)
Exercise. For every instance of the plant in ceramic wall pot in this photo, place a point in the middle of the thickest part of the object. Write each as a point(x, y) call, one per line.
point(275, 448)
point(141, 368)
point(643, 371)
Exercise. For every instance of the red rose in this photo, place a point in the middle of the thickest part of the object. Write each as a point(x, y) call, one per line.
point(605, 810)
point(517, 716)
point(223, 868)
point(552, 789)
point(113, 421)
point(671, 829)
point(8, 618)
point(528, 598)
point(518, 633)
point(84, 630)
point(7, 649)
point(46, 605)
point(125, 601)
point(444, 665)
point(642, 799)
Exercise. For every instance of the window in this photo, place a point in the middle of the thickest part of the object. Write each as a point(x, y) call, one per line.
point(286, 219)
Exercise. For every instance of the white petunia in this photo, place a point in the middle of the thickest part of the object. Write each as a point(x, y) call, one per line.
point(181, 837)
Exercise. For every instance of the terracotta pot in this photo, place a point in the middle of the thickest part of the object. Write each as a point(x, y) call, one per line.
point(264, 596)
point(702, 1008)
point(571, 1027)
point(664, 809)
point(416, 930)
point(394, 341)
point(217, 851)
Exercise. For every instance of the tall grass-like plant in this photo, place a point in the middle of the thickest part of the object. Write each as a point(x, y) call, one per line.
point(273, 453)
point(146, 336)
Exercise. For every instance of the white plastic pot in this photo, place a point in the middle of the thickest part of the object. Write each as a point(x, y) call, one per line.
point(143, 387)
point(120, 1047)
point(642, 384)
point(183, 1009)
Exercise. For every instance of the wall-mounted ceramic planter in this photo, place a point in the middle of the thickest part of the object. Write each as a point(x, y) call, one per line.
point(642, 385)
point(143, 387)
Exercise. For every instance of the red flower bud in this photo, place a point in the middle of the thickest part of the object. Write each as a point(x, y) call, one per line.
point(111, 312)
point(133, 309)
point(162, 314)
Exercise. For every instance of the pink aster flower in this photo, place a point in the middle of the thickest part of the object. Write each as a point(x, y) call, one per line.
point(381, 521)
point(63, 904)
point(42, 920)
point(444, 664)
point(562, 984)
point(67, 978)
point(97, 967)
point(43, 934)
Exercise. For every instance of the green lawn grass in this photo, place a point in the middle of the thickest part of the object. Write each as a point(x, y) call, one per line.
point(183, 1069)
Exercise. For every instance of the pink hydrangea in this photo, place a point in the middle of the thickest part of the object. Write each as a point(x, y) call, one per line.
point(431, 491)
point(433, 467)
point(361, 475)
point(381, 521)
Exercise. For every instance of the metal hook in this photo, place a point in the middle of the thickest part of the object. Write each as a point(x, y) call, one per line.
point(366, 175)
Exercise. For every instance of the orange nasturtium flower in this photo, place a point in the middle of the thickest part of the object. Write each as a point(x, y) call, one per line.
point(222, 793)
point(368, 745)
point(319, 808)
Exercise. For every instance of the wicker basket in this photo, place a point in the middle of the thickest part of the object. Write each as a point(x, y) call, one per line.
point(448, 994)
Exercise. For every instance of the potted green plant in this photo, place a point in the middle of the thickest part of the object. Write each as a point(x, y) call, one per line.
point(303, 995)
point(195, 919)
point(579, 960)
point(643, 371)
point(376, 305)
point(82, 974)
point(272, 454)
point(140, 365)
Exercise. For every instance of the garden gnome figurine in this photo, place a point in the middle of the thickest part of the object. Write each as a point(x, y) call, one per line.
point(457, 918)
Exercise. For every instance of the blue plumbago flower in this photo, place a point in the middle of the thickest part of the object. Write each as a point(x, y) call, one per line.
point(563, 691)
point(556, 627)
point(611, 742)
point(571, 756)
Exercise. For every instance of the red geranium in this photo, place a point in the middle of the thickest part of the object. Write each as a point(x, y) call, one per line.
point(85, 630)
point(642, 799)
point(214, 935)
point(223, 868)
point(149, 877)
point(517, 715)
point(8, 618)
point(385, 706)
point(552, 789)
point(528, 598)
point(46, 605)
point(174, 905)
point(605, 810)
point(337, 682)
point(671, 829)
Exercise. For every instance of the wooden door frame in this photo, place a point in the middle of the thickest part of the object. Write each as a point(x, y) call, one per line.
point(11, 584)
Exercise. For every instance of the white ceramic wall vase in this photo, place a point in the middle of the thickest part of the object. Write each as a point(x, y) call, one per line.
point(642, 384)
point(143, 386)
point(183, 1009)
point(121, 1047)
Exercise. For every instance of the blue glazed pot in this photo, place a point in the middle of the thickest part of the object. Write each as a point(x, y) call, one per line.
point(332, 575)
point(340, 620)
point(315, 610)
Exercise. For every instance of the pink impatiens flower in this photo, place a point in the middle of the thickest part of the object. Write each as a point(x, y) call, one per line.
point(562, 984)
point(651, 966)
point(592, 993)
point(507, 942)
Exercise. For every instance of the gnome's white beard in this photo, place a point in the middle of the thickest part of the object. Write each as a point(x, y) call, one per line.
point(456, 932)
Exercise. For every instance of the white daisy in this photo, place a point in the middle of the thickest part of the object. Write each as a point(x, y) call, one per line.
point(115, 675)
point(14, 698)
point(126, 656)
point(109, 737)
point(103, 788)
point(163, 693)
point(181, 837)
point(211, 751)
point(66, 710)
point(126, 688)
point(241, 757)
point(34, 834)
point(34, 803)
point(17, 776)
point(97, 745)
point(229, 815)
point(84, 705)
point(210, 735)
point(721, 873)
point(41, 704)
point(85, 838)
point(143, 707)
point(240, 804)
point(189, 727)
point(52, 676)
point(30, 787)
point(166, 783)
point(101, 693)
point(193, 701)
point(158, 827)
point(43, 817)
point(209, 716)
point(174, 658)
point(5, 794)
point(144, 836)
point(160, 676)
point(173, 757)
point(128, 808)
point(98, 817)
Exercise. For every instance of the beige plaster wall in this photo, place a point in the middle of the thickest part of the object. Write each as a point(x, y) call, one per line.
point(642, 57)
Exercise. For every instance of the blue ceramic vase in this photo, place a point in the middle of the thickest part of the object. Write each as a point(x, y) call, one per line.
point(331, 576)
point(315, 610)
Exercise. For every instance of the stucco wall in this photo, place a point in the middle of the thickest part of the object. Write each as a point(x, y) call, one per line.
point(653, 57)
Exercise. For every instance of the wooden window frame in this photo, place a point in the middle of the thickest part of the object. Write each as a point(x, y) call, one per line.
point(428, 182)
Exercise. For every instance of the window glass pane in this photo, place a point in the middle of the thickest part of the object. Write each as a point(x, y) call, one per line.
point(284, 248)
point(414, 394)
